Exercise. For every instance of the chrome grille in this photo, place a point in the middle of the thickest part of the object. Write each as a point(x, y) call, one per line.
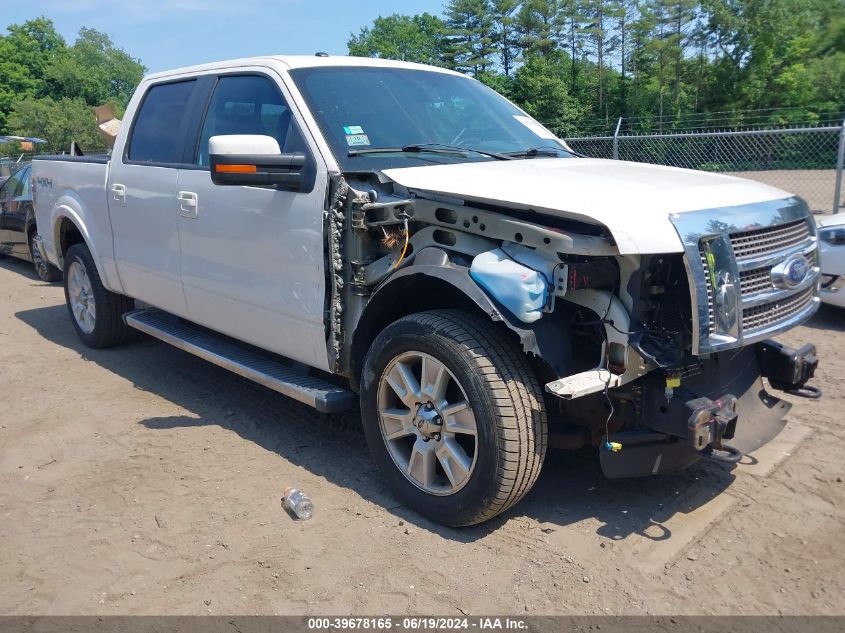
point(769, 240)
point(711, 314)
point(773, 313)
point(736, 273)
point(760, 279)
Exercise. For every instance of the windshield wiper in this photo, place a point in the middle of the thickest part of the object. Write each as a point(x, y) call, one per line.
point(432, 148)
point(533, 152)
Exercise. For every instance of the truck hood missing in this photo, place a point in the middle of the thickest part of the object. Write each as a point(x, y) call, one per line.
point(634, 201)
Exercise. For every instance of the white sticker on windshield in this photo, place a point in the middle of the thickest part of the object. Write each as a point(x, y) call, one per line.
point(354, 140)
point(353, 129)
point(535, 127)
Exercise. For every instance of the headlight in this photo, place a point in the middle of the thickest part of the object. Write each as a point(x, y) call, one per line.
point(835, 236)
point(717, 258)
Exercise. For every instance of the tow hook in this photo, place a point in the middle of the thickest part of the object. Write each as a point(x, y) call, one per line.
point(789, 369)
point(710, 423)
point(725, 454)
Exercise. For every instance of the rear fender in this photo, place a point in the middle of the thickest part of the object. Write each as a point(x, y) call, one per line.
point(68, 207)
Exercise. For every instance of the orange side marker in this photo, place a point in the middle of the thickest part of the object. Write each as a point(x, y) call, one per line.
point(237, 169)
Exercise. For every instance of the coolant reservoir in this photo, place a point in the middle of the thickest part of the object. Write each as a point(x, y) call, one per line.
point(520, 289)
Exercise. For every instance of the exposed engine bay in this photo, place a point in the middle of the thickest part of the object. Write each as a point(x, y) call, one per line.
point(612, 336)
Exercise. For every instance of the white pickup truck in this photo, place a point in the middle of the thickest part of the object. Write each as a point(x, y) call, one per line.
point(341, 229)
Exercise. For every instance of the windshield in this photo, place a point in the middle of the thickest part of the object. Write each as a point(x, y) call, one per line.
point(366, 108)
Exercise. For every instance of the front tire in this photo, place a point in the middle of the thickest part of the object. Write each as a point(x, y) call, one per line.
point(96, 313)
point(453, 415)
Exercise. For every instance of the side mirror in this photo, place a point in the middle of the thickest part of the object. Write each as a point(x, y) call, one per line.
point(253, 159)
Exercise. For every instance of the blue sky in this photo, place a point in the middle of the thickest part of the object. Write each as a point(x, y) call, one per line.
point(167, 34)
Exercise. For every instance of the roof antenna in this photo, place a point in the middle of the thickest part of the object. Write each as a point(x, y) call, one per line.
point(321, 54)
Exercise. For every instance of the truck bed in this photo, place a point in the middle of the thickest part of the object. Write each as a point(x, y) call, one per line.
point(72, 189)
point(66, 158)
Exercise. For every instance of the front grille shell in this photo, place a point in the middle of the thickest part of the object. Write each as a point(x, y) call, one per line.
point(744, 245)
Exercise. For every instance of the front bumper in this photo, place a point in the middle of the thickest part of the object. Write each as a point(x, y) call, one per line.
point(720, 413)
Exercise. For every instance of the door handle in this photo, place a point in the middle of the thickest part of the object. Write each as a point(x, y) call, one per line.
point(188, 202)
point(118, 194)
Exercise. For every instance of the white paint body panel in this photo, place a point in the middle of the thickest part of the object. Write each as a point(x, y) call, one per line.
point(633, 200)
point(244, 144)
point(832, 259)
point(252, 265)
point(78, 192)
point(146, 235)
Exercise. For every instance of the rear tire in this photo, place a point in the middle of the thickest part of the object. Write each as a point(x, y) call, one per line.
point(44, 269)
point(475, 443)
point(96, 313)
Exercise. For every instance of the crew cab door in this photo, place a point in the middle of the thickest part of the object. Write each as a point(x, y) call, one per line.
point(252, 257)
point(141, 192)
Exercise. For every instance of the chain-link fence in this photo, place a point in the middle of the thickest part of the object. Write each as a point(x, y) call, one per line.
point(807, 161)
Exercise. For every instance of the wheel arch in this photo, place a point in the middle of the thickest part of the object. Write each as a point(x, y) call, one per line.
point(443, 284)
point(69, 229)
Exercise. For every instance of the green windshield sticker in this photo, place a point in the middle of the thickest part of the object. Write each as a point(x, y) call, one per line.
point(350, 130)
point(354, 140)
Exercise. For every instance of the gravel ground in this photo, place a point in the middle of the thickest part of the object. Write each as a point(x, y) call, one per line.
point(141, 480)
point(816, 186)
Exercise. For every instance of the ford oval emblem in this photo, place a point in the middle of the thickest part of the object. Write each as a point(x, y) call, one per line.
point(791, 273)
point(797, 271)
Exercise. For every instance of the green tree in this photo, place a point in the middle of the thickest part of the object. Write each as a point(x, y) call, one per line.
point(58, 121)
point(505, 37)
point(540, 88)
point(471, 38)
point(94, 70)
point(771, 50)
point(597, 17)
point(25, 54)
point(417, 38)
point(625, 13)
point(541, 26)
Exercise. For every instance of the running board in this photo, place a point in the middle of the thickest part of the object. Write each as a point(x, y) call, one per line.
point(294, 383)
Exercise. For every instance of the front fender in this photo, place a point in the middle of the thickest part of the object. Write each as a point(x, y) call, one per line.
point(436, 280)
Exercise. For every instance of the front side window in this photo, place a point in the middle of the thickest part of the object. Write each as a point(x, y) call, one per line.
point(248, 104)
point(157, 132)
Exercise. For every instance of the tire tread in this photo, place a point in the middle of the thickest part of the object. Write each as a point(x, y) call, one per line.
point(110, 328)
point(515, 394)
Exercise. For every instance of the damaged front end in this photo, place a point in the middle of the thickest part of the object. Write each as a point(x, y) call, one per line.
point(657, 360)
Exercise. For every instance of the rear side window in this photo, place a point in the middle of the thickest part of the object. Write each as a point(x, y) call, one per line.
point(157, 132)
point(248, 104)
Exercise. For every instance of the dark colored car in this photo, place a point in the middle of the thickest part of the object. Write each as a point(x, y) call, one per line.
point(17, 224)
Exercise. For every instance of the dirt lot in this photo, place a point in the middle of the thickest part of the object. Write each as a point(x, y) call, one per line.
point(141, 480)
point(816, 186)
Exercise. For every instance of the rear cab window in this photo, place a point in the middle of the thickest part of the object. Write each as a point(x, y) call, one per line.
point(158, 131)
